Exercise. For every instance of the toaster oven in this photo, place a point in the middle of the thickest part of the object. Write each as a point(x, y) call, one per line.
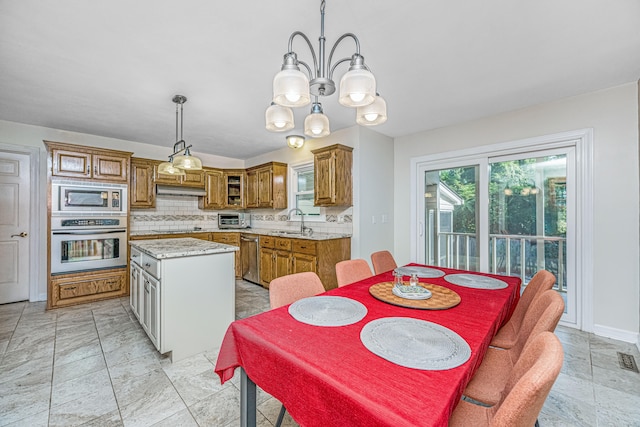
point(234, 220)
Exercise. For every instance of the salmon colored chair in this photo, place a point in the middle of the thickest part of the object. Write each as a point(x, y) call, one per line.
point(507, 335)
point(352, 270)
point(383, 261)
point(526, 390)
point(490, 380)
point(288, 289)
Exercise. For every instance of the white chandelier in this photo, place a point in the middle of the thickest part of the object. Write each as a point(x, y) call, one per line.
point(293, 88)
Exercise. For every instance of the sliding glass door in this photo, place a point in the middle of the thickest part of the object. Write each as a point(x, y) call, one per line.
point(509, 214)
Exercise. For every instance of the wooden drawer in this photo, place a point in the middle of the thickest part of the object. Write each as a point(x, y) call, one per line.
point(227, 238)
point(303, 246)
point(90, 284)
point(283, 244)
point(267, 242)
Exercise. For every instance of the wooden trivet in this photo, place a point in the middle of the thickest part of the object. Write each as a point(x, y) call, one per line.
point(441, 297)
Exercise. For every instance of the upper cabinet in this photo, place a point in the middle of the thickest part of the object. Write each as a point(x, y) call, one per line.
point(267, 186)
point(332, 170)
point(142, 191)
point(214, 187)
point(234, 188)
point(76, 161)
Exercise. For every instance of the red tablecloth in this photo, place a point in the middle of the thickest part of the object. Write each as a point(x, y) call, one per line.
point(326, 377)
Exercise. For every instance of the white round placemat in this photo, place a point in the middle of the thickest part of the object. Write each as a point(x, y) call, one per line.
point(327, 311)
point(415, 343)
point(423, 272)
point(475, 281)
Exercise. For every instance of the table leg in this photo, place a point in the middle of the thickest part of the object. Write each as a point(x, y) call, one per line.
point(247, 400)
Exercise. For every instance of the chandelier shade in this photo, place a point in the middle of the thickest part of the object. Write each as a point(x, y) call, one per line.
point(279, 118)
point(316, 124)
point(372, 114)
point(357, 88)
point(294, 88)
point(291, 88)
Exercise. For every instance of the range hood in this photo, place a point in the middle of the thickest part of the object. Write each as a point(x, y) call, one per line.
point(179, 190)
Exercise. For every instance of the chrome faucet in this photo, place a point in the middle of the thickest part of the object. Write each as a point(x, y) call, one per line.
point(302, 227)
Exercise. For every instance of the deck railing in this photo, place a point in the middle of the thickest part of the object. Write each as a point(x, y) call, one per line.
point(458, 250)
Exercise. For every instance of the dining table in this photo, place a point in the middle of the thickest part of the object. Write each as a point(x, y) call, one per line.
point(381, 365)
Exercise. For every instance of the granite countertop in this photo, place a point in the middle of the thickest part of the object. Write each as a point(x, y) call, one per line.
point(182, 247)
point(259, 231)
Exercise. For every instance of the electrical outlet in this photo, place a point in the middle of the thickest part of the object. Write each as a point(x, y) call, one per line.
point(385, 218)
point(373, 219)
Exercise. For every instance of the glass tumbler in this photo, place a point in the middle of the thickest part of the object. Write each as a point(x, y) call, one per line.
point(397, 278)
point(413, 281)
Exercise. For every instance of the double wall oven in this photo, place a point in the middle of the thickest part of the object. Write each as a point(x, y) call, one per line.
point(88, 226)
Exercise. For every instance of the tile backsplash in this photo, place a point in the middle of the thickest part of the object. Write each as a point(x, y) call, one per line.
point(181, 213)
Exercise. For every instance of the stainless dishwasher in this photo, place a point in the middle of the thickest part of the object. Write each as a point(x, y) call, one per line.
point(249, 251)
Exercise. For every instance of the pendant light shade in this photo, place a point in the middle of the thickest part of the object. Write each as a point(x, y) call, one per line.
point(291, 88)
point(167, 168)
point(187, 161)
point(316, 124)
point(372, 114)
point(279, 118)
point(357, 88)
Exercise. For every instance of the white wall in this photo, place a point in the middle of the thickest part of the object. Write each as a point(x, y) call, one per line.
point(613, 115)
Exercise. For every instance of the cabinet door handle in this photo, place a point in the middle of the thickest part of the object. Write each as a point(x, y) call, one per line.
point(95, 170)
point(71, 288)
point(146, 264)
point(88, 169)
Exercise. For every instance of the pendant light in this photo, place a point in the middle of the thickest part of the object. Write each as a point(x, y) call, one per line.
point(178, 163)
point(293, 88)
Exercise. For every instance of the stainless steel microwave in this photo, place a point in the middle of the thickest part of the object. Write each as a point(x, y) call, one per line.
point(69, 198)
point(234, 220)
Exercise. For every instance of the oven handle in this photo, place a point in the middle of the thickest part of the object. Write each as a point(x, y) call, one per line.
point(87, 232)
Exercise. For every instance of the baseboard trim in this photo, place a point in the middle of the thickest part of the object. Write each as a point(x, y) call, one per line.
point(617, 334)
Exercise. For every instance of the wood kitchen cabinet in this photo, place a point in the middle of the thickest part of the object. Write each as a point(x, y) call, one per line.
point(77, 161)
point(333, 180)
point(280, 256)
point(230, 238)
point(78, 288)
point(234, 188)
point(267, 186)
point(214, 187)
point(142, 193)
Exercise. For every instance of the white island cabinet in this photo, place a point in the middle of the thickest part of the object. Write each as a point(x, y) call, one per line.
point(183, 293)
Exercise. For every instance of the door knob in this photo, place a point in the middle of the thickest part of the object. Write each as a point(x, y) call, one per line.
point(23, 234)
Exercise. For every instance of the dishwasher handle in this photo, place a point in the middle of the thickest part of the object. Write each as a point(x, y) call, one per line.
point(249, 239)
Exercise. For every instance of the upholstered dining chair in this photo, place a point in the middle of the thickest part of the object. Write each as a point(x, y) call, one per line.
point(289, 289)
point(382, 261)
point(507, 335)
point(527, 388)
point(352, 270)
point(488, 383)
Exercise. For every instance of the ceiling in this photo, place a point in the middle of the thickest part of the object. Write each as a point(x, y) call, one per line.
point(111, 68)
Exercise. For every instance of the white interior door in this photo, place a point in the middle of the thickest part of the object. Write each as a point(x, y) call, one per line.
point(14, 226)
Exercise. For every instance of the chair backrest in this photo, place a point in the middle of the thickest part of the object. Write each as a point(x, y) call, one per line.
point(543, 315)
point(352, 270)
point(541, 281)
point(288, 289)
point(382, 261)
point(530, 382)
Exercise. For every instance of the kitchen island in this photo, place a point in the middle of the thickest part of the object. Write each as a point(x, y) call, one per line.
point(183, 293)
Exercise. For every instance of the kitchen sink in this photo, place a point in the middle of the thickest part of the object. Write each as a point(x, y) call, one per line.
point(288, 233)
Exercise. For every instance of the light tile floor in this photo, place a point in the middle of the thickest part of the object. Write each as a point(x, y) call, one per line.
point(93, 365)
